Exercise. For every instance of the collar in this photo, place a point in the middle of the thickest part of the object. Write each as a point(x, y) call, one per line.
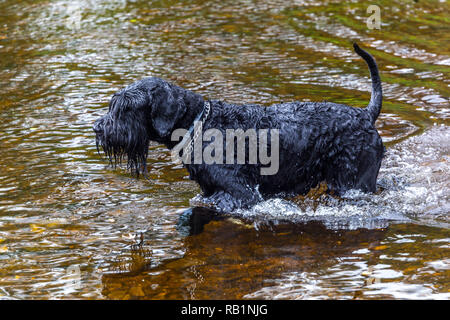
point(202, 116)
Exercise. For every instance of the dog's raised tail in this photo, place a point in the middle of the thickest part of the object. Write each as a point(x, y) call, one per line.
point(376, 98)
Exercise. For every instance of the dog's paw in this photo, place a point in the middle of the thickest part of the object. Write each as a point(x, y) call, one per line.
point(224, 202)
point(202, 202)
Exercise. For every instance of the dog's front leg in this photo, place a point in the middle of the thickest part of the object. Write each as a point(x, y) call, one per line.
point(225, 190)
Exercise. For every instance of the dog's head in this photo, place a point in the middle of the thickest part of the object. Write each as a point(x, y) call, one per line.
point(146, 110)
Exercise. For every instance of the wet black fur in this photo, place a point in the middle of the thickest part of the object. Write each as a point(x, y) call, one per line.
point(319, 141)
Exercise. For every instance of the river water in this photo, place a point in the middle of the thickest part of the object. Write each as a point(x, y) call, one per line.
point(71, 227)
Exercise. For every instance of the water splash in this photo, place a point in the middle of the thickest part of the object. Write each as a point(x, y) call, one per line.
point(413, 183)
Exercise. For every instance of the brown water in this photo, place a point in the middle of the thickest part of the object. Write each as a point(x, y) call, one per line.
point(71, 227)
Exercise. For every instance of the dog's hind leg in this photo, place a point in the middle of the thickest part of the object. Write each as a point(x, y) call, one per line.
point(368, 167)
point(360, 173)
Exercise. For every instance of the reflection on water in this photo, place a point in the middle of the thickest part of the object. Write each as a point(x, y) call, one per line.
point(70, 227)
point(231, 259)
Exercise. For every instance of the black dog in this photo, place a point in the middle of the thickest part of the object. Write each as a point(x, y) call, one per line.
point(318, 141)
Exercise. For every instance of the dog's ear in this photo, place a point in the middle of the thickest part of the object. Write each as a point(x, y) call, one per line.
point(167, 108)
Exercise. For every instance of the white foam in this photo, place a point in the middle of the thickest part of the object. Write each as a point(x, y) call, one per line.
point(414, 179)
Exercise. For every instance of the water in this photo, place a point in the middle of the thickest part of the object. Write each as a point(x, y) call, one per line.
point(71, 227)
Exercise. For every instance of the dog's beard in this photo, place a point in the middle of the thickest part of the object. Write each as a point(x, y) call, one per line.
point(128, 139)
